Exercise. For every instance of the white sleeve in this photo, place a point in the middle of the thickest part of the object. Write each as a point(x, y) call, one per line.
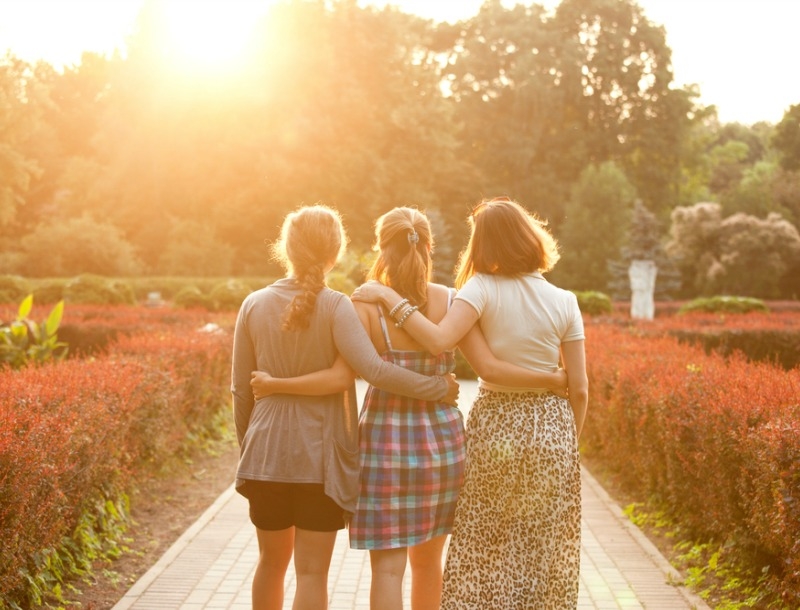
point(474, 293)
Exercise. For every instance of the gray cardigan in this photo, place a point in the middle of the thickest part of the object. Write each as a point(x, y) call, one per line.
point(307, 439)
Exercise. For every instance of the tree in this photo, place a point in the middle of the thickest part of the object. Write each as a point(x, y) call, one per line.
point(63, 248)
point(193, 249)
point(754, 193)
point(597, 218)
point(543, 97)
point(19, 118)
point(739, 255)
point(644, 241)
point(787, 139)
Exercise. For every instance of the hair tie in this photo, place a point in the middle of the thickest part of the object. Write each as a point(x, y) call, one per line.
point(413, 237)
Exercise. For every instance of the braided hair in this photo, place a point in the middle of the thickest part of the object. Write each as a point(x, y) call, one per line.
point(312, 240)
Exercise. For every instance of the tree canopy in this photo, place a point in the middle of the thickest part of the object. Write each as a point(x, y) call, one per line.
point(572, 112)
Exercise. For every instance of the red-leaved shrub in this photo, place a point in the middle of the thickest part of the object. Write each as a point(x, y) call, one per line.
point(78, 430)
point(715, 439)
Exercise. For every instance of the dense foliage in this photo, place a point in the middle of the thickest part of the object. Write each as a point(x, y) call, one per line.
point(712, 440)
point(135, 164)
point(74, 433)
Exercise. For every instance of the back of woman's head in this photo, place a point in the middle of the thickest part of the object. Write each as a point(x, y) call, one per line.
point(506, 240)
point(312, 240)
point(404, 242)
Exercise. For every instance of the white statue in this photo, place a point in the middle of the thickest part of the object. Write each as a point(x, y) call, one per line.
point(642, 275)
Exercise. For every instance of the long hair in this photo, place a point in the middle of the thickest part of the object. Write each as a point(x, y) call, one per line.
point(312, 239)
point(403, 241)
point(507, 240)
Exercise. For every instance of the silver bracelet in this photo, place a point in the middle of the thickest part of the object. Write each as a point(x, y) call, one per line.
point(406, 314)
point(399, 314)
point(397, 307)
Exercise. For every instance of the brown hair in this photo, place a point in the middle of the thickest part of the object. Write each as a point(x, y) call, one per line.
point(507, 240)
point(312, 238)
point(404, 242)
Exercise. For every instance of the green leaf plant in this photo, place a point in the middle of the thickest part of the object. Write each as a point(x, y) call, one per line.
point(24, 341)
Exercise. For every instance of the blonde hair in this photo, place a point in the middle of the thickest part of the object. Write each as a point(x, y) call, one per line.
point(507, 240)
point(403, 241)
point(312, 238)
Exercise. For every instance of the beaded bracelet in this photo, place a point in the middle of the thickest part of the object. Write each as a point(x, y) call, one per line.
point(406, 314)
point(399, 313)
point(395, 309)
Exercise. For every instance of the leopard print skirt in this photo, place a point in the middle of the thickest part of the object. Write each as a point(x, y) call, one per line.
point(516, 538)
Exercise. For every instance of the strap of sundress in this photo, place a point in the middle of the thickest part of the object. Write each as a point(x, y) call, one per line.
point(384, 329)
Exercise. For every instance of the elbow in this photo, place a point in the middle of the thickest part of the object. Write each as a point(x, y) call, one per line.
point(345, 383)
point(579, 397)
point(437, 347)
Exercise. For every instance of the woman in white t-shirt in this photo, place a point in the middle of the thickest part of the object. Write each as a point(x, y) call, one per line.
point(516, 537)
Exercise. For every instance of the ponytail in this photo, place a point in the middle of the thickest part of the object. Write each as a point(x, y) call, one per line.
point(404, 242)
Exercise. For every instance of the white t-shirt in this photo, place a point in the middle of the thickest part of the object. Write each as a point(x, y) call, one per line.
point(525, 319)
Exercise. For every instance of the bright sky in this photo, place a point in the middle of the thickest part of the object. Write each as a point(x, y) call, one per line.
point(741, 53)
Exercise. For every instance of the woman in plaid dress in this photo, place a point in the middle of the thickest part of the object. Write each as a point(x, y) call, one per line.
point(412, 451)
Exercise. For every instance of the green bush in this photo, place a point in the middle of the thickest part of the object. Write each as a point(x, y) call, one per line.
point(75, 246)
point(228, 295)
point(190, 297)
point(724, 304)
point(49, 292)
point(592, 302)
point(97, 290)
point(13, 288)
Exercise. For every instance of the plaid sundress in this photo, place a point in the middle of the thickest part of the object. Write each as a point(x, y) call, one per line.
point(412, 460)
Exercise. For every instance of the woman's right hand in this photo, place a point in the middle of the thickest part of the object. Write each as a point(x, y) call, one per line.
point(451, 397)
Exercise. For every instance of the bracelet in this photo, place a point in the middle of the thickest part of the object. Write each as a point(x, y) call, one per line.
point(397, 307)
point(406, 314)
point(399, 313)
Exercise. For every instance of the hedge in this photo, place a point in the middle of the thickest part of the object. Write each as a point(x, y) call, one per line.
point(75, 433)
point(714, 440)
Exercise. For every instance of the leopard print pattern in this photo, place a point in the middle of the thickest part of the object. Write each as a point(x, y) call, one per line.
point(516, 538)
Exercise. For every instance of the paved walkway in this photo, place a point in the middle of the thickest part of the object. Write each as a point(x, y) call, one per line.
point(211, 565)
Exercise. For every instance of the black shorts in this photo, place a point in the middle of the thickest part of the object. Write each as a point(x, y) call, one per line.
point(276, 506)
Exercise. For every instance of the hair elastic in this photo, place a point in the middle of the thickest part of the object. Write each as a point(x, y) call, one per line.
point(413, 237)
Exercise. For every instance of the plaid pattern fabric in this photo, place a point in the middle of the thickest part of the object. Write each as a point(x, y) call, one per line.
point(412, 462)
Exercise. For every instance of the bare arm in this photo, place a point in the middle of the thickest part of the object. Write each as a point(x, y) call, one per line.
point(436, 338)
point(338, 378)
point(574, 358)
point(355, 345)
point(481, 358)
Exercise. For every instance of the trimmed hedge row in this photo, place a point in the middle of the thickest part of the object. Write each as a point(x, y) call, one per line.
point(714, 440)
point(74, 433)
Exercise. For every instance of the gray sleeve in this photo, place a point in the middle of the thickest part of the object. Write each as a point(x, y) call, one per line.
point(244, 362)
point(354, 344)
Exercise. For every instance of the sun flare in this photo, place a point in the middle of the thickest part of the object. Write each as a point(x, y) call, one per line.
point(208, 34)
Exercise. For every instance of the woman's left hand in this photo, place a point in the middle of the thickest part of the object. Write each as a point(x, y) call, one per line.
point(261, 384)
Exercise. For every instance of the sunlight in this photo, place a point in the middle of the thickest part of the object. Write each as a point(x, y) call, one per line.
point(212, 34)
